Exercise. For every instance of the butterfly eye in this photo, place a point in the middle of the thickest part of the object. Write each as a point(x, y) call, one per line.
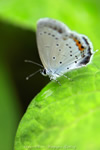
point(44, 71)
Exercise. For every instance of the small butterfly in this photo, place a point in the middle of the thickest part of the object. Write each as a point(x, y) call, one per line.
point(60, 49)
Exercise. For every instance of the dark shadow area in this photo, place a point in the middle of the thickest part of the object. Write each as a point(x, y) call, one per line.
point(16, 45)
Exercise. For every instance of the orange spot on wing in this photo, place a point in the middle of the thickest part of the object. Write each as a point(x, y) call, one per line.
point(81, 48)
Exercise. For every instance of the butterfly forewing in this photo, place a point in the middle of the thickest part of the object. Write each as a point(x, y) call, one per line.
point(48, 36)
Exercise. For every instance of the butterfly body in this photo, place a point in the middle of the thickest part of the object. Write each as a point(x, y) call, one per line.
point(52, 75)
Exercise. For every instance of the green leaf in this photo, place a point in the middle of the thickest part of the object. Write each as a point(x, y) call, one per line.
point(82, 17)
point(66, 115)
point(77, 15)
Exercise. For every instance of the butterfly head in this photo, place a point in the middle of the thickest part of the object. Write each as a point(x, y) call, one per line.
point(43, 72)
point(52, 75)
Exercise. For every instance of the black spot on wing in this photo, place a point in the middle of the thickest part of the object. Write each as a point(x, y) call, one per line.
point(57, 44)
point(53, 25)
point(54, 57)
point(66, 44)
point(53, 35)
point(76, 57)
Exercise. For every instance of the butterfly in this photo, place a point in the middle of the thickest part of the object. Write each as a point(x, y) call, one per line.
point(60, 49)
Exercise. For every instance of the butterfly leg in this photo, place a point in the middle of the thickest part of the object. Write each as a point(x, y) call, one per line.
point(64, 76)
point(57, 81)
point(67, 77)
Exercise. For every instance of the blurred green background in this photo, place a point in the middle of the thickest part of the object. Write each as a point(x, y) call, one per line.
point(18, 42)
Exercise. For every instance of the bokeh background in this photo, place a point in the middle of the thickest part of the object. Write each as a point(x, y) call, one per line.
point(18, 42)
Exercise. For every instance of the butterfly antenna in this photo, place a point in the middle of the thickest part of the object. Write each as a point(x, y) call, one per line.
point(27, 78)
point(32, 62)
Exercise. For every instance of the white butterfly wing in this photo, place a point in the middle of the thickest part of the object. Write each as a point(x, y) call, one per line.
point(72, 57)
point(48, 33)
point(59, 48)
